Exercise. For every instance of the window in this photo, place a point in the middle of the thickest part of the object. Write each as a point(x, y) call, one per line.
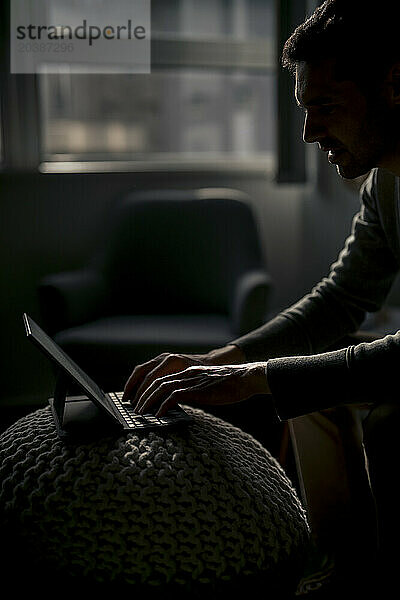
point(210, 97)
point(216, 97)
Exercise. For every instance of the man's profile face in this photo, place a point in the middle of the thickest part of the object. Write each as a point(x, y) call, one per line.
point(356, 133)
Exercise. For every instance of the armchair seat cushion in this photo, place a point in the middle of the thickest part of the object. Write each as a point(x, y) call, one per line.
point(112, 346)
point(206, 509)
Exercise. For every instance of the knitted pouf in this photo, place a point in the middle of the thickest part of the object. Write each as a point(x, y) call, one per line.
point(192, 509)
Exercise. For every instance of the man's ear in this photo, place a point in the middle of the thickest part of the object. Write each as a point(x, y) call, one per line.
point(394, 81)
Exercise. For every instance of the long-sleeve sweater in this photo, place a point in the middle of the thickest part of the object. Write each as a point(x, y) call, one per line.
point(302, 375)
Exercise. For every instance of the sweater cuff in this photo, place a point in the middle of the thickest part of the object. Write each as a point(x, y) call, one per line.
point(304, 384)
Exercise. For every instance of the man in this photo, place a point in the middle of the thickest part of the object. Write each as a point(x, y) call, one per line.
point(346, 62)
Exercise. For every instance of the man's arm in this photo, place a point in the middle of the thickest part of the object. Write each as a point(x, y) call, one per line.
point(365, 373)
point(358, 282)
point(306, 377)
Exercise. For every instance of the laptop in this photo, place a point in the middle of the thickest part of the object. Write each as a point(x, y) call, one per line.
point(93, 412)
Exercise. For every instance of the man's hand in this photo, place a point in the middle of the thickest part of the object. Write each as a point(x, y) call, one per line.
point(159, 372)
point(198, 384)
point(166, 363)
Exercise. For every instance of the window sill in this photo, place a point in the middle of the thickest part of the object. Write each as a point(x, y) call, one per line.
point(263, 165)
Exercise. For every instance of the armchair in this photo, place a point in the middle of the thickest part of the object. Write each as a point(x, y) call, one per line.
point(181, 270)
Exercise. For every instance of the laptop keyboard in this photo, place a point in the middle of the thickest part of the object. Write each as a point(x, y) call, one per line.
point(147, 421)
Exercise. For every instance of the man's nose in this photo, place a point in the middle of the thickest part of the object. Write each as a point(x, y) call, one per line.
point(313, 129)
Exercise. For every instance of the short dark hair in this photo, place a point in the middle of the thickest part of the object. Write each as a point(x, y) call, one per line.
point(363, 39)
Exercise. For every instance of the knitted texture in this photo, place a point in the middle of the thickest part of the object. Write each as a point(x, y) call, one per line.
point(187, 507)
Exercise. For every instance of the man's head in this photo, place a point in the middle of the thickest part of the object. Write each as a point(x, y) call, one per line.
point(347, 66)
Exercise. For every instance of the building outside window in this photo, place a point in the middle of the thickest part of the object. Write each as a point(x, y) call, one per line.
point(210, 96)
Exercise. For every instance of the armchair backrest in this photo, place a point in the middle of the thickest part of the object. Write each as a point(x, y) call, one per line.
point(180, 251)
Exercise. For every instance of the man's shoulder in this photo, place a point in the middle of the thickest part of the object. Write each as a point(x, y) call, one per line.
point(380, 184)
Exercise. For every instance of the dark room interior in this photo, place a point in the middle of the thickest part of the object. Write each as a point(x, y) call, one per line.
point(170, 211)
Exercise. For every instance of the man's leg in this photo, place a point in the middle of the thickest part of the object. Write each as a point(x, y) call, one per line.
point(336, 491)
point(331, 465)
point(382, 448)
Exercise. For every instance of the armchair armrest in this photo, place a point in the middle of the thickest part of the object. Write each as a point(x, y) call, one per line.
point(70, 298)
point(250, 301)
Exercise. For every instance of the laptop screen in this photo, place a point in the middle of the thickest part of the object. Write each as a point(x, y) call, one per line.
point(53, 351)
